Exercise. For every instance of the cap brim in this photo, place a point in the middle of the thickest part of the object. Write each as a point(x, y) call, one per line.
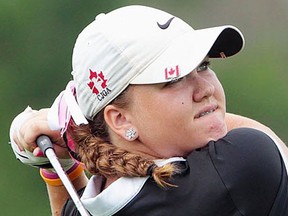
point(188, 51)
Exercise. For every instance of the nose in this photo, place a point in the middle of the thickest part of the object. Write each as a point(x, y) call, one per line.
point(202, 87)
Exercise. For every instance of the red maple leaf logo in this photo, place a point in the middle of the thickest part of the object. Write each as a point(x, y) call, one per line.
point(96, 78)
point(172, 72)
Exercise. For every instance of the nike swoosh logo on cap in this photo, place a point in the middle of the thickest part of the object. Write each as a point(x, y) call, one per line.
point(165, 25)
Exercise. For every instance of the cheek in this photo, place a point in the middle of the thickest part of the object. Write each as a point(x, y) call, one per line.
point(159, 116)
point(219, 92)
point(222, 96)
point(143, 111)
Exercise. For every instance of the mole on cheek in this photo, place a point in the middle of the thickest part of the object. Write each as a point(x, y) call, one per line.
point(182, 102)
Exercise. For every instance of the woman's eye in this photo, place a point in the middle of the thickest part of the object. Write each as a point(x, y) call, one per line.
point(203, 66)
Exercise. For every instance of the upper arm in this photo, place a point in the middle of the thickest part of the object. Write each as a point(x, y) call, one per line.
point(234, 121)
point(252, 170)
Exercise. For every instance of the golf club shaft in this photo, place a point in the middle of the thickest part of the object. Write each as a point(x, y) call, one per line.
point(45, 145)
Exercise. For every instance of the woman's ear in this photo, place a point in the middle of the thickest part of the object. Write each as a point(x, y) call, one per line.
point(118, 121)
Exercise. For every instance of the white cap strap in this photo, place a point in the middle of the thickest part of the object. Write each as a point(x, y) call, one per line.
point(72, 104)
point(64, 107)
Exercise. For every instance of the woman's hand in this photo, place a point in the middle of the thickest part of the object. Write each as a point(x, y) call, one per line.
point(24, 131)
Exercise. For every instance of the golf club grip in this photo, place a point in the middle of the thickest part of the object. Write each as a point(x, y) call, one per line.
point(44, 143)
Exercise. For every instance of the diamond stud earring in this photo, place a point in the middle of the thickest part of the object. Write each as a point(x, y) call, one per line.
point(130, 133)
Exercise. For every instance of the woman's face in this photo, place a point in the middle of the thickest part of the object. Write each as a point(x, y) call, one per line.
point(173, 119)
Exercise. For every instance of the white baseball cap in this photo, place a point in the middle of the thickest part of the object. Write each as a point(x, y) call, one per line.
point(141, 45)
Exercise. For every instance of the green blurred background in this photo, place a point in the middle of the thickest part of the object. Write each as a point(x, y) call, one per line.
point(37, 38)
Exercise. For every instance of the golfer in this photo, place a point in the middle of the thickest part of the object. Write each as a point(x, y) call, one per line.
point(147, 117)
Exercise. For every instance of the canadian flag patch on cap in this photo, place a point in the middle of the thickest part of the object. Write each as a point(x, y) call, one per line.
point(172, 72)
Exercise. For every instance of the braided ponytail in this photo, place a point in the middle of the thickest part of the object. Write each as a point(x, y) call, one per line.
point(103, 158)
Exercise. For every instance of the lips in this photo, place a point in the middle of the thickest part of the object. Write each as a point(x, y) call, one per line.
point(206, 111)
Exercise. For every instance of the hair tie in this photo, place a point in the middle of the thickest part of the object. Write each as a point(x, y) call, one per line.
point(150, 169)
point(71, 151)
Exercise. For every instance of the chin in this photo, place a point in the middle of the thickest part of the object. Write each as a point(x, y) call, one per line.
point(217, 133)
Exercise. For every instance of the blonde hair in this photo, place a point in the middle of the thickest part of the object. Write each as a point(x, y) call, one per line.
point(101, 157)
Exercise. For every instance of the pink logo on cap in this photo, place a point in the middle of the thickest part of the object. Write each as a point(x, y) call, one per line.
point(172, 72)
point(99, 78)
point(98, 84)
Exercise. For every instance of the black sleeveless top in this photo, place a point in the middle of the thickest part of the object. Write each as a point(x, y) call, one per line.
point(242, 174)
